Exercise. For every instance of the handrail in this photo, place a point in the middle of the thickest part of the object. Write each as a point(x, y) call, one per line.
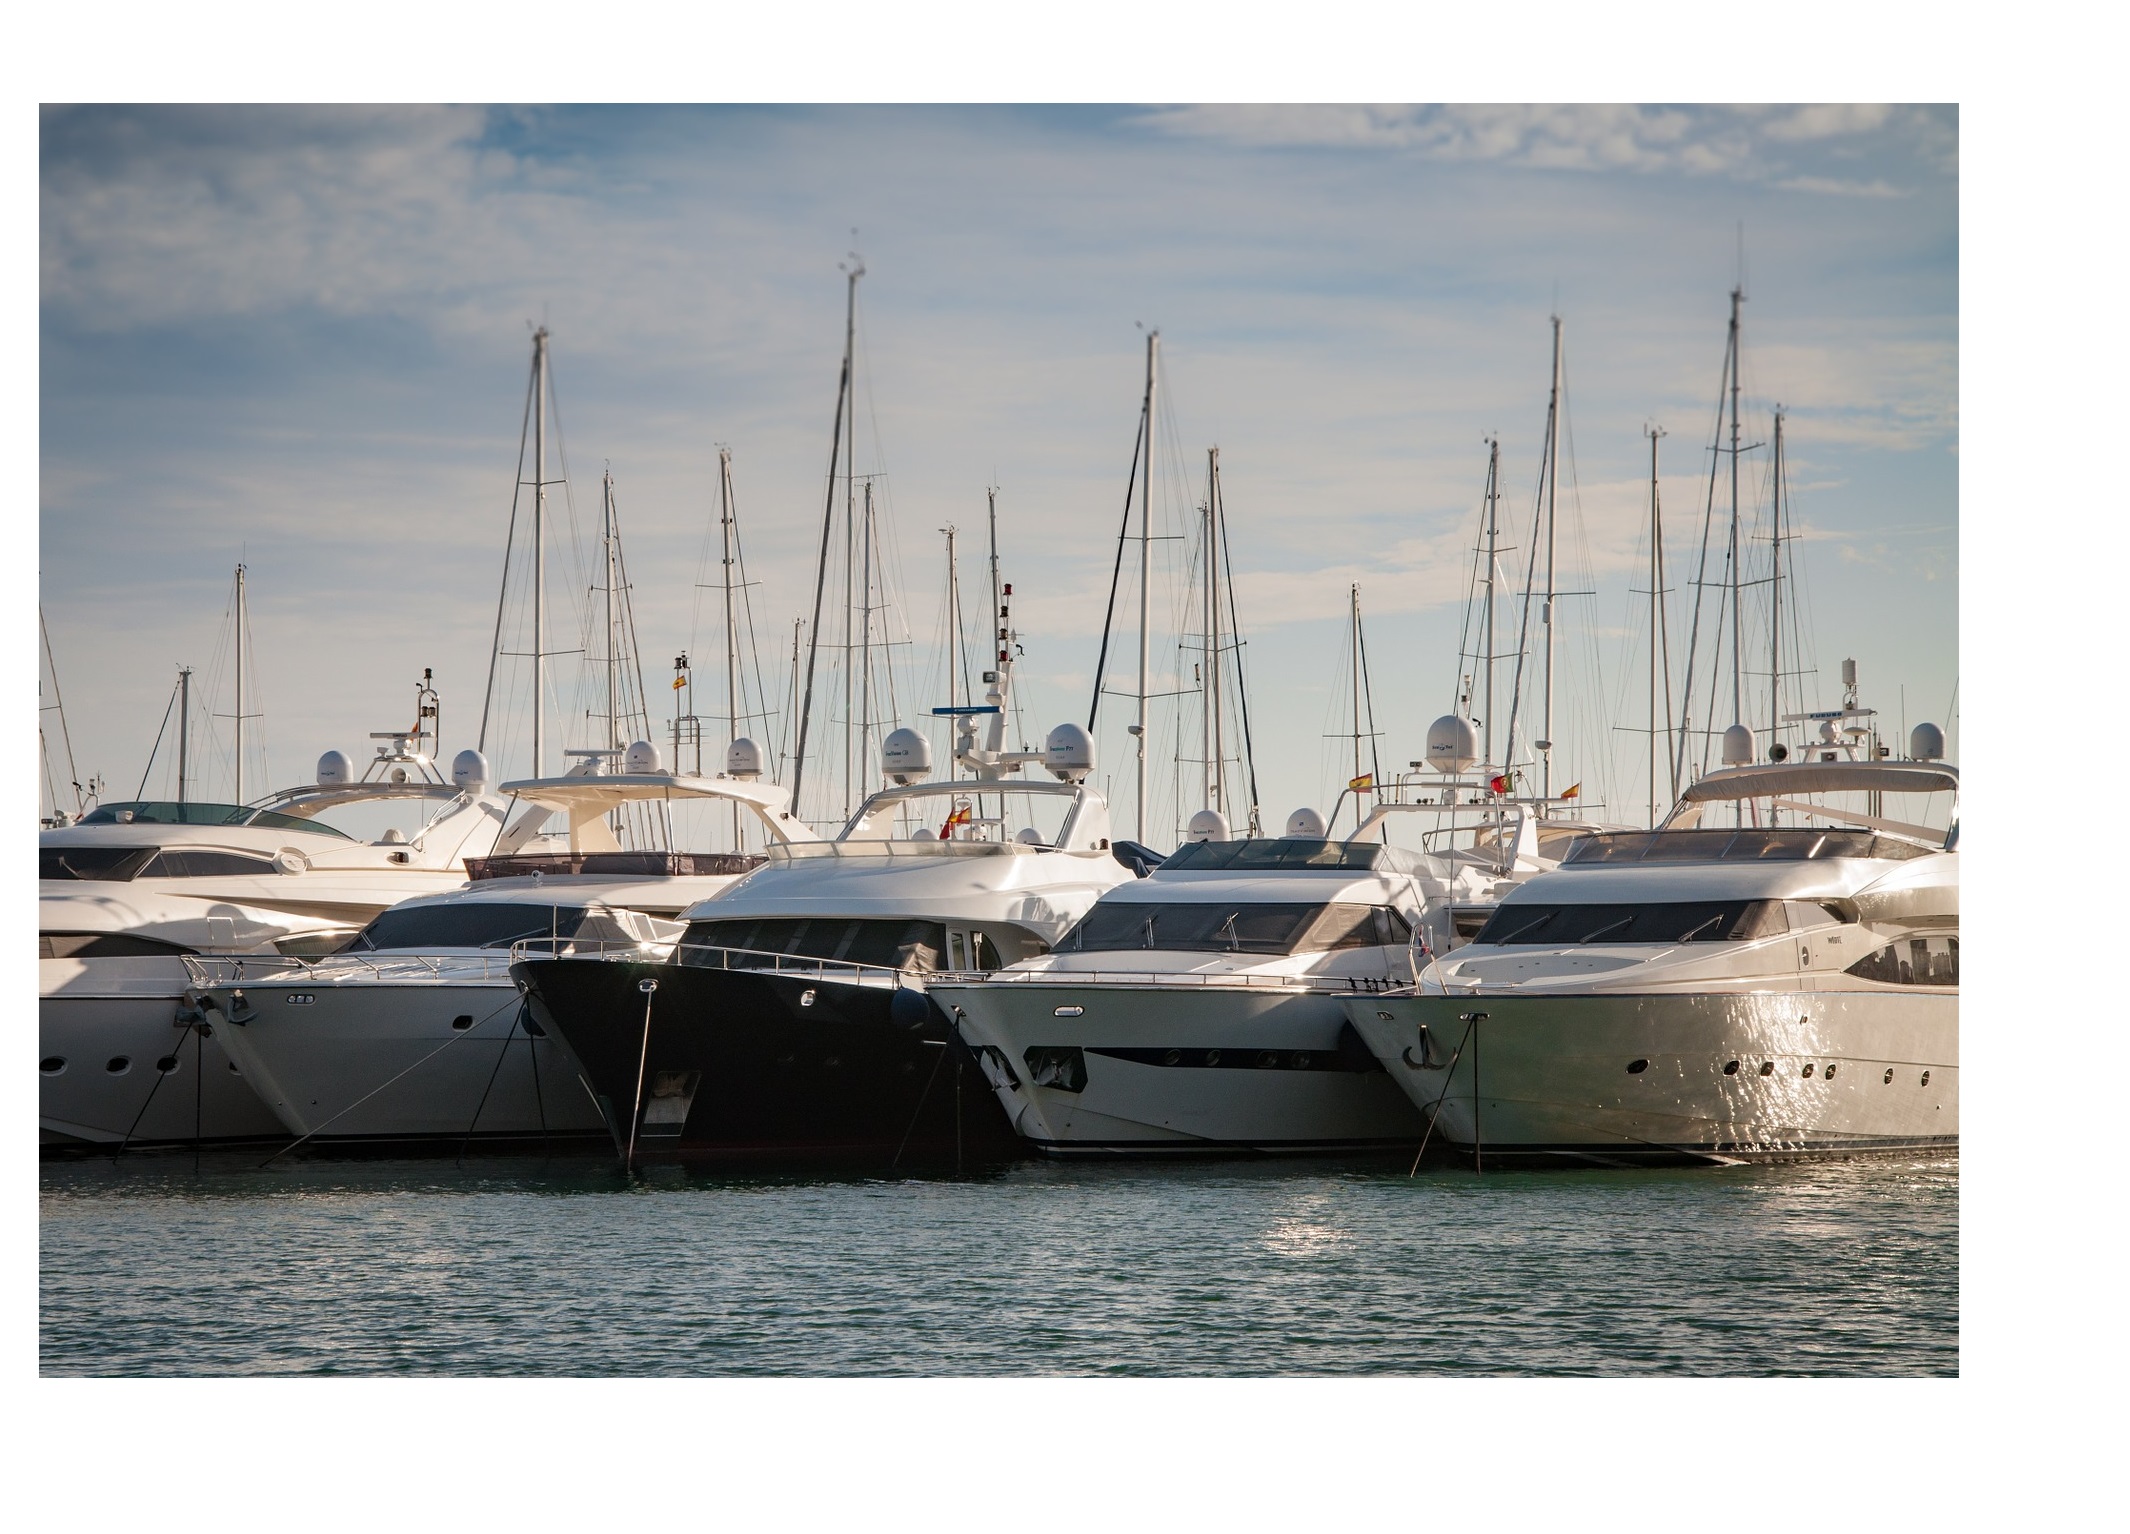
point(1341, 984)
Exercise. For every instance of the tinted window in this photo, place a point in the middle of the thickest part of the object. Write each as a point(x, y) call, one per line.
point(466, 926)
point(192, 813)
point(1222, 927)
point(1730, 845)
point(1290, 852)
point(103, 945)
point(1912, 961)
point(91, 862)
point(198, 863)
point(1685, 921)
point(894, 944)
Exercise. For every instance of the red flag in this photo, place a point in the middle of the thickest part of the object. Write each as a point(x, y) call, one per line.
point(1499, 783)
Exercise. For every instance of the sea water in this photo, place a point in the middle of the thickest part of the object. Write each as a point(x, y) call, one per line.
point(156, 1266)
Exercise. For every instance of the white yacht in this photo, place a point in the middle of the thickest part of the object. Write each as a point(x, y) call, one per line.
point(1785, 984)
point(123, 1059)
point(268, 878)
point(416, 1032)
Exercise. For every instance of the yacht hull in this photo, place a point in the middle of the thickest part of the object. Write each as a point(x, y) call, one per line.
point(118, 1066)
point(752, 1066)
point(363, 1061)
point(1749, 1075)
point(1164, 1070)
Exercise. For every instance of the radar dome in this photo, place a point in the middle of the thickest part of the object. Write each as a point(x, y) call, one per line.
point(1452, 744)
point(469, 769)
point(1207, 826)
point(743, 759)
point(335, 768)
point(1307, 822)
point(643, 757)
point(1738, 746)
point(1069, 753)
point(1926, 743)
point(906, 757)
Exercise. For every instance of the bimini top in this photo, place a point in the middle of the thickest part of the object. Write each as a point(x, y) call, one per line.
point(1824, 778)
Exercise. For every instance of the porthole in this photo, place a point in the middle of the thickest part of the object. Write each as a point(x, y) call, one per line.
point(1926, 1078)
point(1767, 1067)
point(118, 1065)
point(1301, 1060)
point(1636, 1067)
point(1268, 1059)
point(1213, 1057)
point(53, 1065)
point(462, 1022)
point(1808, 1068)
point(806, 998)
point(1830, 1072)
point(1730, 1068)
point(167, 1064)
point(1173, 1057)
point(1889, 1075)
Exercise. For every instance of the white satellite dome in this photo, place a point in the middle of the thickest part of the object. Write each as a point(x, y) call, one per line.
point(1452, 744)
point(1207, 826)
point(743, 759)
point(1069, 753)
point(334, 768)
point(906, 757)
point(1926, 743)
point(642, 757)
point(1738, 746)
point(1307, 823)
point(469, 769)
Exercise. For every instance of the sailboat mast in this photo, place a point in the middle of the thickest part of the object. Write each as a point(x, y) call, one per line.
point(1217, 793)
point(1775, 597)
point(613, 659)
point(184, 728)
point(240, 684)
point(953, 643)
point(991, 513)
point(1656, 619)
point(539, 552)
point(1353, 595)
point(1553, 470)
point(1146, 575)
point(1737, 623)
point(828, 518)
point(728, 531)
point(1493, 533)
point(865, 647)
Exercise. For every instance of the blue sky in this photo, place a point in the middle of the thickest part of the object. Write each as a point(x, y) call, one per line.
point(298, 336)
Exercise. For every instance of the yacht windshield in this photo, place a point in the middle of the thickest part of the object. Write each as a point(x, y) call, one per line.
point(165, 812)
point(1235, 927)
point(480, 925)
point(894, 943)
point(1678, 921)
point(1752, 844)
point(115, 864)
point(1291, 852)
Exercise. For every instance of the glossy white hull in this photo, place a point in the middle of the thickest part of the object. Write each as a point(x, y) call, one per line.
point(1521, 1078)
point(96, 1015)
point(1175, 1069)
point(370, 1059)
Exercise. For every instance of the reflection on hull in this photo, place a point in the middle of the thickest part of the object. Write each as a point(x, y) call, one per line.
point(371, 1062)
point(747, 1066)
point(1689, 1077)
point(122, 1069)
point(1120, 1070)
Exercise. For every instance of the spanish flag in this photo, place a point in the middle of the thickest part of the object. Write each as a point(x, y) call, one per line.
point(679, 682)
point(1364, 784)
point(959, 818)
point(1572, 793)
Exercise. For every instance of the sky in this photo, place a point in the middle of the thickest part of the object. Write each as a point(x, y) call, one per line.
point(298, 337)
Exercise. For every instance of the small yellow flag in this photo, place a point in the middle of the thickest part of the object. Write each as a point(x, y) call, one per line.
point(1572, 793)
point(1365, 783)
point(679, 682)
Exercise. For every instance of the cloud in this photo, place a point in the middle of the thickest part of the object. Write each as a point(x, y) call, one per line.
point(1742, 143)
